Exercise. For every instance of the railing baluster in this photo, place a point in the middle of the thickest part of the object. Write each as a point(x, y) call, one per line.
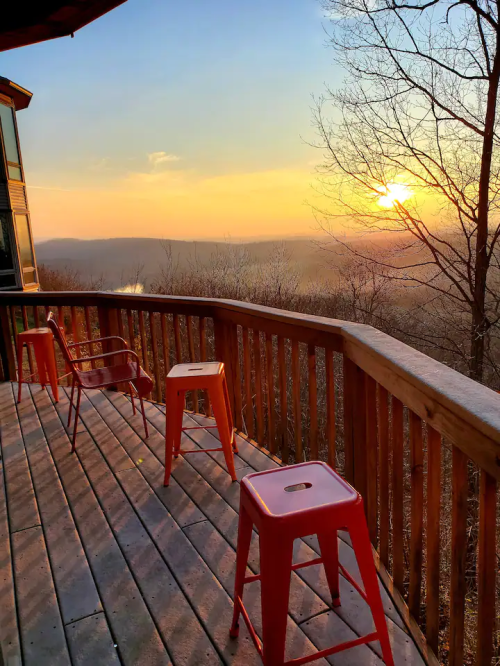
point(192, 357)
point(313, 402)
point(74, 330)
point(121, 330)
point(258, 386)
point(417, 514)
point(232, 332)
point(458, 556)
point(297, 405)
point(487, 569)
point(203, 357)
point(88, 328)
point(165, 343)
point(398, 573)
point(371, 457)
point(25, 328)
point(154, 348)
point(131, 330)
point(283, 401)
point(36, 316)
point(433, 536)
point(177, 338)
point(144, 345)
point(384, 472)
point(330, 407)
point(247, 376)
point(349, 370)
point(271, 430)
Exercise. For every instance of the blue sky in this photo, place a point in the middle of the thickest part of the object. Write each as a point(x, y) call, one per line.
point(220, 88)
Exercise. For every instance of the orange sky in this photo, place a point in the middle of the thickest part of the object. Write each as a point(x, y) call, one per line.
point(180, 204)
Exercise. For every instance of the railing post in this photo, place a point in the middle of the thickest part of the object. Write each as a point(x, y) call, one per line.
point(355, 427)
point(7, 354)
point(223, 354)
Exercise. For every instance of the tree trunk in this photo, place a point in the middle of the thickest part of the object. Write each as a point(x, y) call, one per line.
point(479, 319)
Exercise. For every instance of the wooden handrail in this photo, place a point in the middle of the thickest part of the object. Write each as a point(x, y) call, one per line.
point(462, 410)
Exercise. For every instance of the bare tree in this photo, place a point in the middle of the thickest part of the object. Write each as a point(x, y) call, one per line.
point(67, 279)
point(418, 112)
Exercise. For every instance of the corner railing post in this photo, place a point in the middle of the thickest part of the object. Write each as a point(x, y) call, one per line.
point(7, 353)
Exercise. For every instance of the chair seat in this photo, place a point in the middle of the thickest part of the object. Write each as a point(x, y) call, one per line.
point(117, 374)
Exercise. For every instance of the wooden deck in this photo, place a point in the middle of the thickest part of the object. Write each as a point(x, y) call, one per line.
point(99, 564)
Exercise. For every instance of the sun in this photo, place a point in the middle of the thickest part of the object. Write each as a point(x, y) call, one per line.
point(393, 193)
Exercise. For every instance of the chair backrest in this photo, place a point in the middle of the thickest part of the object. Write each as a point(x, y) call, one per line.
point(60, 336)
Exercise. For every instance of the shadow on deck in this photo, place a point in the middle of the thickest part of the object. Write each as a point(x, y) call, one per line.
point(102, 565)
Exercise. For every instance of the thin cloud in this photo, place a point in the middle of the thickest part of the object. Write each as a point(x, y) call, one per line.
point(161, 157)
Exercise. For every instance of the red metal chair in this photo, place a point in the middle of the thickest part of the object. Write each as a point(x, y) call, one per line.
point(129, 373)
point(286, 504)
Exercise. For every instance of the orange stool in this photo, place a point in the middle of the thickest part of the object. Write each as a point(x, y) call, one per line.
point(208, 376)
point(286, 504)
point(43, 345)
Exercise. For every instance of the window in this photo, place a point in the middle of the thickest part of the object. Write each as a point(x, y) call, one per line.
point(8, 281)
point(6, 262)
point(10, 142)
point(24, 241)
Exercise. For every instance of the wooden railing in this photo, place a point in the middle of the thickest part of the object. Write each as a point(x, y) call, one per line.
point(418, 440)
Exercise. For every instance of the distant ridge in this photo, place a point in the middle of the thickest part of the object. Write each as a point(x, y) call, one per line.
point(118, 258)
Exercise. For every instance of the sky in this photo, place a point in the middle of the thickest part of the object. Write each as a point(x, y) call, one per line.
point(176, 120)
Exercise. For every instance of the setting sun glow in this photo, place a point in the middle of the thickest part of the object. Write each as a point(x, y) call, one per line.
point(393, 193)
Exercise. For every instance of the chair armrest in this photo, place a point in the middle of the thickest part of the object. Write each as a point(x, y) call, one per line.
point(91, 342)
point(128, 352)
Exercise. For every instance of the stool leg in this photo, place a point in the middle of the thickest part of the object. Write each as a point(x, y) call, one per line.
point(141, 402)
point(242, 550)
point(51, 367)
point(77, 412)
point(329, 546)
point(363, 550)
point(40, 362)
point(71, 402)
point(132, 398)
point(275, 569)
point(177, 423)
point(172, 427)
point(222, 419)
point(19, 368)
point(229, 415)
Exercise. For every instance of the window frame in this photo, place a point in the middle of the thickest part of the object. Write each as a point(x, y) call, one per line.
point(6, 101)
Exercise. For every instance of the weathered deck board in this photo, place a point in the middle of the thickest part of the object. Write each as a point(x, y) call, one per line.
point(75, 586)
point(23, 511)
point(174, 617)
point(126, 612)
point(42, 632)
point(154, 576)
point(10, 645)
point(302, 597)
point(91, 643)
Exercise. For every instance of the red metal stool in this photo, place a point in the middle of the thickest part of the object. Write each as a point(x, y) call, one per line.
point(208, 376)
point(286, 504)
point(43, 345)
